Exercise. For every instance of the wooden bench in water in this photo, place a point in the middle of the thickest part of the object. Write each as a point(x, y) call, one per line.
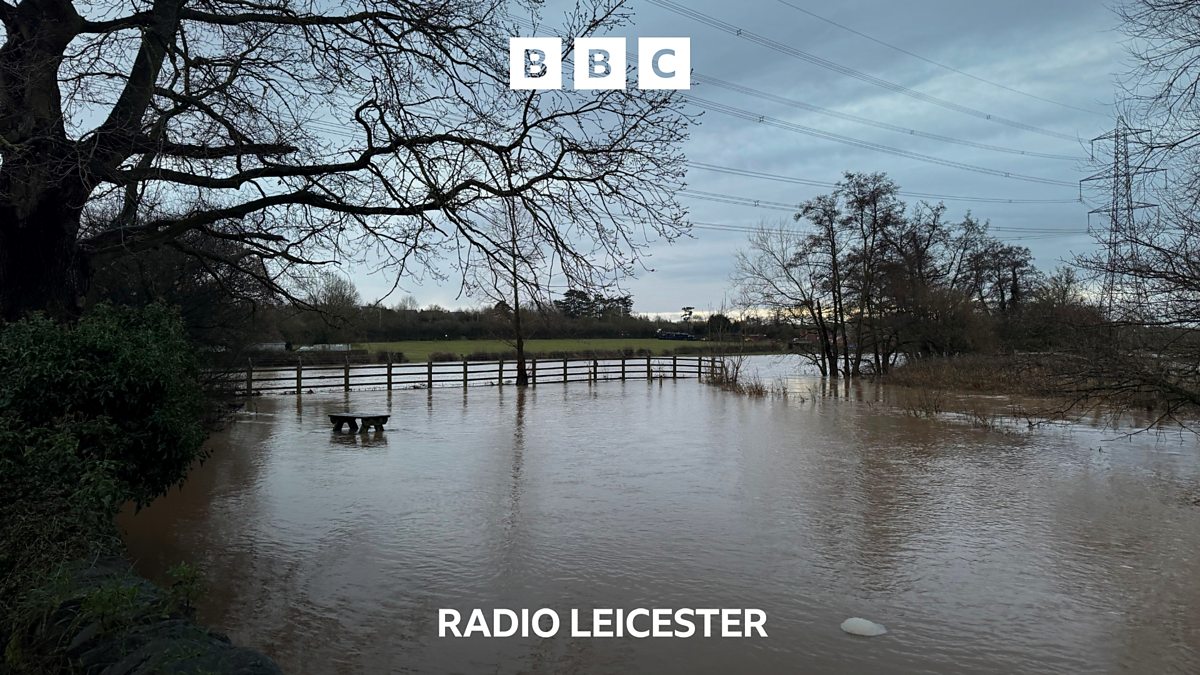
point(368, 420)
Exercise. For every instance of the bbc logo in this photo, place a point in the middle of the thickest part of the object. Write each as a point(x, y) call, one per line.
point(663, 63)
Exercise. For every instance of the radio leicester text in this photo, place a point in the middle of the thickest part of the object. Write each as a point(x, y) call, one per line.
point(606, 623)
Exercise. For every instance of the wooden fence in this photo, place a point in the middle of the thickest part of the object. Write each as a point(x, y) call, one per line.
point(301, 379)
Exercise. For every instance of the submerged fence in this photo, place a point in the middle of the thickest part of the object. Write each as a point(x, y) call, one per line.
point(301, 379)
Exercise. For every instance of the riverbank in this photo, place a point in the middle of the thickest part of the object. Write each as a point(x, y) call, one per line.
point(95, 414)
point(97, 615)
point(1055, 386)
point(1038, 375)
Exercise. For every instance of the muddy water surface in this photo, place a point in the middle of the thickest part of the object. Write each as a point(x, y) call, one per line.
point(1057, 550)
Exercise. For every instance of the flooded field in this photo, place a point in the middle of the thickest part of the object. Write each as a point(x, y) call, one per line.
point(1062, 549)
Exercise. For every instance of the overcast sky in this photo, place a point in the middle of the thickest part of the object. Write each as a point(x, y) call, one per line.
point(1064, 50)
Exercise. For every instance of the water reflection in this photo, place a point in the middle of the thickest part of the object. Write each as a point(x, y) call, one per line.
point(375, 438)
point(982, 550)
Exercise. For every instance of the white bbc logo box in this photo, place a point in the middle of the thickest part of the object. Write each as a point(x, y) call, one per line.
point(599, 63)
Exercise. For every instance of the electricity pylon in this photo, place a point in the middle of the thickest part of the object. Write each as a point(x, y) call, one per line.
point(1121, 236)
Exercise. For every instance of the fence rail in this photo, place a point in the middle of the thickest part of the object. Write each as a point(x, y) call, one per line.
point(303, 379)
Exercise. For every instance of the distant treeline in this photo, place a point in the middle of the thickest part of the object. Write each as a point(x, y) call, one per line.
point(599, 317)
point(240, 313)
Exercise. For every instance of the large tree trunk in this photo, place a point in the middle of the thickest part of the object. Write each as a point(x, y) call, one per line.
point(40, 265)
point(518, 329)
point(522, 372)
point(42, 185)
point(828, 338)
point(42, 192)
point(45, 177)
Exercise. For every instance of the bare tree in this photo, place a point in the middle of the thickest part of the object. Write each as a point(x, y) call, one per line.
point(408, 303)
point(1162, 87)
point(785, 272)
point(335, 304)
point(308, 131)
point(828, 246)
point(870, 280)
point(334, 295)
point(1147, 351)
point(872, 206)
point(511, 271)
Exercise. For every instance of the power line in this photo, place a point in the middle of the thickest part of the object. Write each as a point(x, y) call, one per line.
point(740, 201)
point(334, 130)
point(750, 36)
point(811, 131)
point(750, 229)
point(337, 131)
point(748, 91)
point(868, 145)
point(939, 64)
point(907, 193)
point(793, 208)
point(820, 184)
point(742, 89)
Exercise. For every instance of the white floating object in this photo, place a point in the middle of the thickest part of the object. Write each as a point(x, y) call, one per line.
point(857, 626)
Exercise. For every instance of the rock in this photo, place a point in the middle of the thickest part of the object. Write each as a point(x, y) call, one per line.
point(89, 633)
point(863, 627)
point(138, 633)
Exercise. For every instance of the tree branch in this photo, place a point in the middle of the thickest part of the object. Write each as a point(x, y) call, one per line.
point(112, 140)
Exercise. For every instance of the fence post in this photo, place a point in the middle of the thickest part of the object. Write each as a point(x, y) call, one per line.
point(429, 372)
point(464, 373)
point(500, 373)
point(649, 374)
point(533, 371)
point(299, 375)
point(389, 372)
point(249, 377)
point(622, 368)
point(564, 370)
point(346, 375)
point(674, 367)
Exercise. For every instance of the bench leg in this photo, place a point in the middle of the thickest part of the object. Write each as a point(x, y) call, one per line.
point(338, 426)
point(353, 426)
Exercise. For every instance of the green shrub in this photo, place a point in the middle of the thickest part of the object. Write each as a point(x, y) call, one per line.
point(92, 415)
point(122, 382)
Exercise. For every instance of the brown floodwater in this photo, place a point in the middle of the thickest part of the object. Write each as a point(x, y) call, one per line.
point(1065, 549)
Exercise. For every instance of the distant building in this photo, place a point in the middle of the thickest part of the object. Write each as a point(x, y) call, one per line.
point(324, 348)
point(269, 347)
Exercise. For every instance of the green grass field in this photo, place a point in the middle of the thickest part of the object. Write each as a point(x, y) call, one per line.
point(419, 350)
